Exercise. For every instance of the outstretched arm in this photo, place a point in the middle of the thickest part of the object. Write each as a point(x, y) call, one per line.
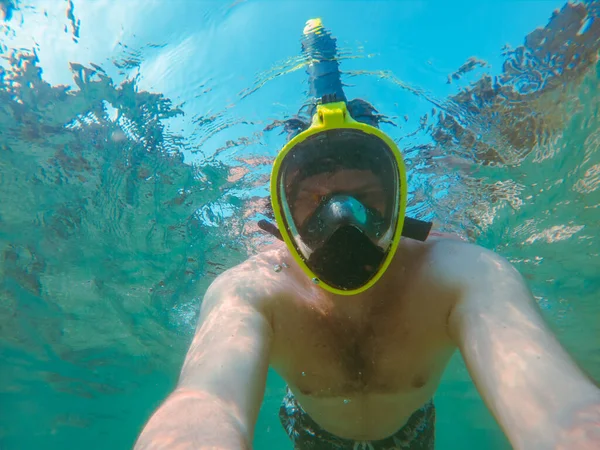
point(539, 396)
point(222, 383)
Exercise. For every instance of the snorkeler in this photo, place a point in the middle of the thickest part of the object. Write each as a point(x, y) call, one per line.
point(364, 310)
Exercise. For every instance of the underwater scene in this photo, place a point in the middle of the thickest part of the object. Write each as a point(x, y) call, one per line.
point(136, 146)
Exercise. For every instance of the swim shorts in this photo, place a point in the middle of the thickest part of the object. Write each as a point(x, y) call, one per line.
point(417, 434)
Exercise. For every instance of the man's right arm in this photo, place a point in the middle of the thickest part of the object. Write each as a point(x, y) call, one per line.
point(222, 383)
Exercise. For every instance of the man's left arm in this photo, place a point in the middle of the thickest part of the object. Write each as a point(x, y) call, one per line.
point(539, 396)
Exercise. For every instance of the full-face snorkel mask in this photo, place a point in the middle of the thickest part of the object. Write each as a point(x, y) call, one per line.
point(339, 196)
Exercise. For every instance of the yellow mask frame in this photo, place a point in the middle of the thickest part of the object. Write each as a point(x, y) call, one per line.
point(332, 116)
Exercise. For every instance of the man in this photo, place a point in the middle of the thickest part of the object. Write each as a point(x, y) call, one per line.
point(360, 310)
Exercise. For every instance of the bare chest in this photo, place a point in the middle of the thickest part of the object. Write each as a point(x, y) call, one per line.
point(396, 350)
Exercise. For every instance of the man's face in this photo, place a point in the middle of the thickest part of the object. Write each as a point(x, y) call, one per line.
point(363, 185)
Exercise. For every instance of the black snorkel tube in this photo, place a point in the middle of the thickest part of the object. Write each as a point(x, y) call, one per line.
point(324, 76)
point(323, 69)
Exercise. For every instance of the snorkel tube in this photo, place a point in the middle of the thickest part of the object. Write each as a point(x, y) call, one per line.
point(320, 48)
point(324, 77)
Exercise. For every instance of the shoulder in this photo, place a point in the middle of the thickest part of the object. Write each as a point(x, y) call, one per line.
point(252, 282)
point(460, 264)
point(451, 249)
point(436, 235)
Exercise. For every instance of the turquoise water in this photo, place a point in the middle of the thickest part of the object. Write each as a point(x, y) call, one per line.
point(135, 148)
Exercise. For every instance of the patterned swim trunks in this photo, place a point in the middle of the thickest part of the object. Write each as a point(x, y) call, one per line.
point(417, 434)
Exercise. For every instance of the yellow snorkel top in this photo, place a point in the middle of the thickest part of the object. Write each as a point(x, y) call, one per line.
point(313, 26)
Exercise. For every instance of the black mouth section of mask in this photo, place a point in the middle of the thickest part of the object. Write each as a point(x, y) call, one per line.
point(347, 260)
